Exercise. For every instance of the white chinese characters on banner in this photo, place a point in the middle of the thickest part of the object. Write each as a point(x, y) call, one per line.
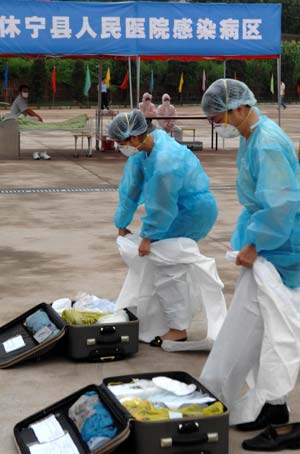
point(159, 28)
point(8, 26)
point(86, 28)
point(35, 24)
point(111, 27)
point(136, 28)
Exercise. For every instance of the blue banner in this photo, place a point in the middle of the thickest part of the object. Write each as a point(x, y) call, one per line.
point(140, 28)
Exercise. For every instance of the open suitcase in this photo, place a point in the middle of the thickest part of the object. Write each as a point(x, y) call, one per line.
point(201, 435)
point(79, 342)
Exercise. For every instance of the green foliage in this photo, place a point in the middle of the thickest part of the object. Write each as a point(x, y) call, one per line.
point(77, 79)
point(38, 80)
point(71, 72)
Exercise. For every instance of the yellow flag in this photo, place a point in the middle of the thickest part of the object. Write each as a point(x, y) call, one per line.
point(272, 85)
point(107, 78)
point(181, 82)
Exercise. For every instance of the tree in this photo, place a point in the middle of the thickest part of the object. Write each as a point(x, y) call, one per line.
point(38, 80)
point(78, 78)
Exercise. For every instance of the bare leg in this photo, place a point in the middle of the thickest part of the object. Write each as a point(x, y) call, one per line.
point(175, 335)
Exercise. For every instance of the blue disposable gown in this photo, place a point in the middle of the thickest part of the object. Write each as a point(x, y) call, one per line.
point(268, 186)
point(174, 189)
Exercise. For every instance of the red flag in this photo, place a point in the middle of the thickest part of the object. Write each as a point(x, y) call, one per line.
point(298, 88)
point(124, 84)
point(53, 80)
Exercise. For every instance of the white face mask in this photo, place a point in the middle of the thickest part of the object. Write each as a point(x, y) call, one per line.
point(25, 94)
point(128, 150)
point(226, 131)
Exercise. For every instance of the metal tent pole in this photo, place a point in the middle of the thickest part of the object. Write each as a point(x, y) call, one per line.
point(130, 82)
point(138, 76)
point(278, 87)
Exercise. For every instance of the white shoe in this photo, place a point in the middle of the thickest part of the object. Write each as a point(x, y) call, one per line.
point(36, 155)
point(44, 155)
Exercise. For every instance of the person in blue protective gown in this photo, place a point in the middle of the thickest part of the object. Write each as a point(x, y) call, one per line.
point(268, 188)
point(168, 179)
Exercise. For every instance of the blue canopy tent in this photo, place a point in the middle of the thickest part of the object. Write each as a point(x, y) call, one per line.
point(147, 30)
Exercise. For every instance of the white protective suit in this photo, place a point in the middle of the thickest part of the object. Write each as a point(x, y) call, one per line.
point(168, 110)
point(258, 343)
point(168, 287)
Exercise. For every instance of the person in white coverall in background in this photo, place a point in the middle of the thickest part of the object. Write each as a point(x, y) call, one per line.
point(149, 110)
point(169, 125)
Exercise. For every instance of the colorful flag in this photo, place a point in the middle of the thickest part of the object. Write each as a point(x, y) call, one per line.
point(53, 80)
point(5, 84)
point(87, 83)
point(151, 84)
point(203, 80)
point(124, 84)
point(272, 85)
point(181, 82)
point(107, 78)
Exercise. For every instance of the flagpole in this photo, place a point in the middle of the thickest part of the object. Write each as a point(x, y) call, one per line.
point(98, 112)
point(53, 84)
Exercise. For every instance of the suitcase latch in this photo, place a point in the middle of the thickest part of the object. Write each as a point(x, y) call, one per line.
point(213, 437)
point(188, 427)
point(107, 329)
point(90, 342)
point(166, 442)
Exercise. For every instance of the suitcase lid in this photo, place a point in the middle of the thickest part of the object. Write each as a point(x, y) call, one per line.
point(17, 344)
point(25, 436)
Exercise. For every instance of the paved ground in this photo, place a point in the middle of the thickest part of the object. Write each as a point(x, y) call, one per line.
point(56, 244)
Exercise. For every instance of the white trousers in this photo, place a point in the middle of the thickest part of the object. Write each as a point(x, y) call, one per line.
point(169, 286)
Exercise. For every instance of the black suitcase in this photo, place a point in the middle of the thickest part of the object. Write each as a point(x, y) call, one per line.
point(201, 435)
point(25, 436)
point(103, 342)
point(80, 342)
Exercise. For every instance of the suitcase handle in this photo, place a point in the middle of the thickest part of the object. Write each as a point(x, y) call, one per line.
point(115, 340)
point(212, 437)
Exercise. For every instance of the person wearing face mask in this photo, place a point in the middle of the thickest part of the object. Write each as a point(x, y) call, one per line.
point(149, 110)
point(259, 332)
point(20, 106)
point(168, 179)
point(168, 110)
